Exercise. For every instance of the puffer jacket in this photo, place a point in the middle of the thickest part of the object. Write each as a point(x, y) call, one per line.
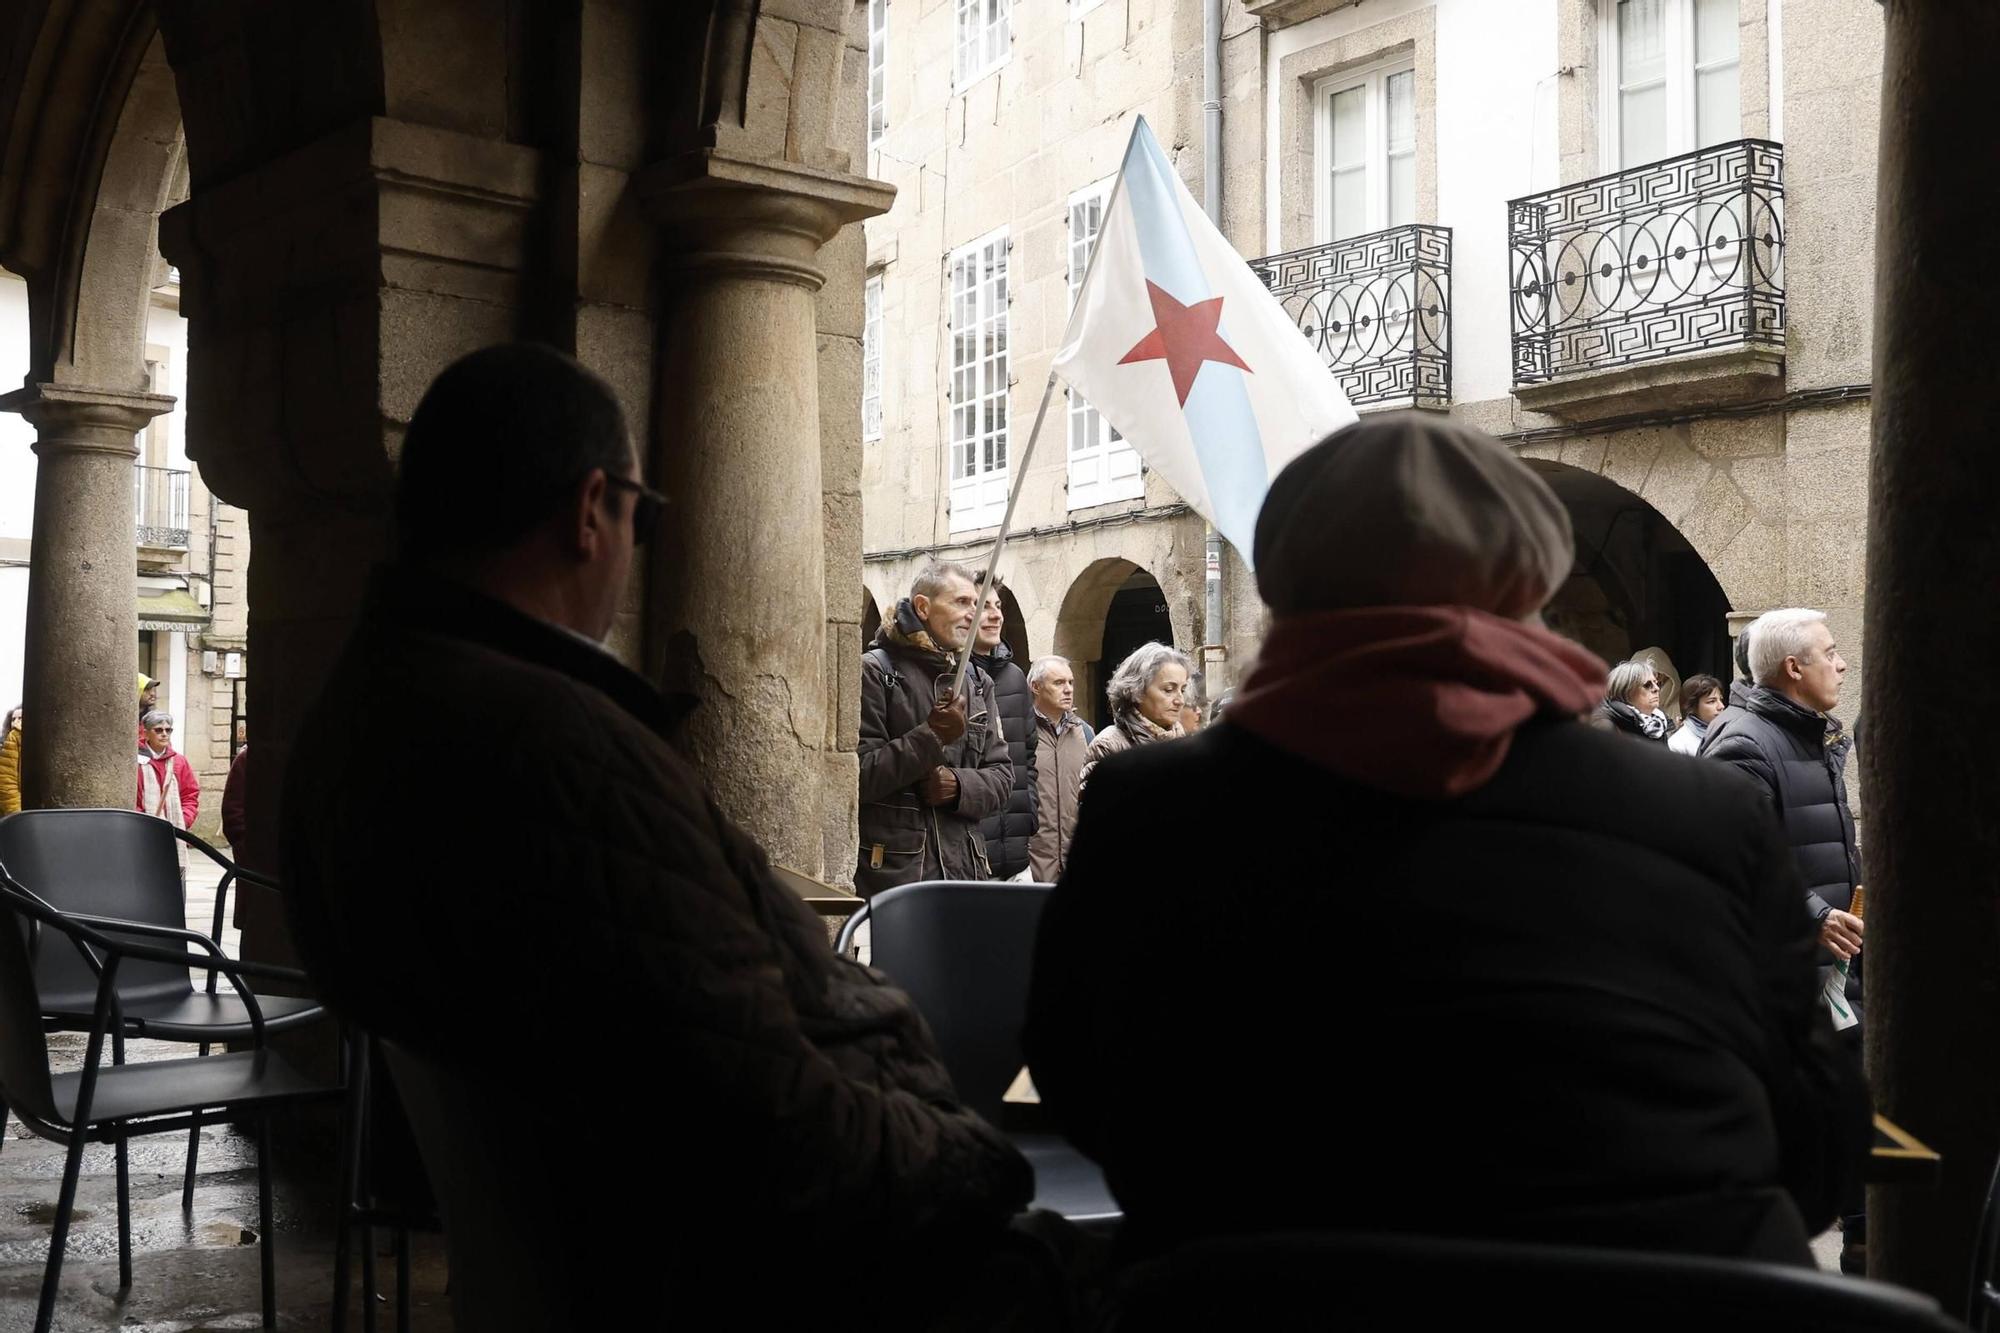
point(1799, 757)
point(904, 840)
point(807, 1090)
point(10, 772)
point(1008, 833)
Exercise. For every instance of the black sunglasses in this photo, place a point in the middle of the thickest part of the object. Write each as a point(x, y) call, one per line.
point(646, 509)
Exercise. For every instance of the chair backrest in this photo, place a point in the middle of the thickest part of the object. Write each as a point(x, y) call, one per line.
point(964, 951)
point(103, 862)
point(24, 1050)
point(1382, 1281)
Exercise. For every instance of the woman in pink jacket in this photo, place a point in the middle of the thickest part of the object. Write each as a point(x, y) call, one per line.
point(167, 784)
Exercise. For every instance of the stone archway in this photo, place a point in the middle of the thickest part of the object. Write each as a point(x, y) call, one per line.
point(84, 234)
point(1638, 583)
point(1112, 607)
point(871, 617)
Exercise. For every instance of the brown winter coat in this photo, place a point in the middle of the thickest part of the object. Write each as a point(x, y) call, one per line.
point(1059, 761)
point(606, 949)
point(903, 839)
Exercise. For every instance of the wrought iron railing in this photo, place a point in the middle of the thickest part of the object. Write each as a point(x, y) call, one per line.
point(1378, 308)
point(1677, 256)
point(160, 506)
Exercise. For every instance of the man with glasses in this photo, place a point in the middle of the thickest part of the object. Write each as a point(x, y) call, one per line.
point(495, 859)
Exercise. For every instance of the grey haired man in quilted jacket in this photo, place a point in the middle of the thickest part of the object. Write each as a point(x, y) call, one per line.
point(724, 1096)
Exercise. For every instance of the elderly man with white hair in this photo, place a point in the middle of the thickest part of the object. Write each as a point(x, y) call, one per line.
point(1459, 968)
point(1785, 736)
point(1059, 761)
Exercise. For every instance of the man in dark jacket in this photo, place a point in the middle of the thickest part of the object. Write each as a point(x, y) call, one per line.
point(579, 932)
point(1009, 832)
point(932, 767)
point(1506, 1007)
point(1786, 738)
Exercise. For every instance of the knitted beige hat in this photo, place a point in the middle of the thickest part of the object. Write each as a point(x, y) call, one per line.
point(1404, 509)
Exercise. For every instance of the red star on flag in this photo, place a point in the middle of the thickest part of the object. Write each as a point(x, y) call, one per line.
point(1184, 337)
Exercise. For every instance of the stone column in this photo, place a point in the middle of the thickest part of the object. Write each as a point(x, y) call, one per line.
point(82, 631)
point(737, 612)
point(1933, 847)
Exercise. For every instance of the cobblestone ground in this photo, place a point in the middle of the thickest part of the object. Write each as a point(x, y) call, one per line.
point(192, 1271)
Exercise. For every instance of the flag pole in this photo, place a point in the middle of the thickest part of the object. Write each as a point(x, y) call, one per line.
point(992, 569)
point(1035, 431)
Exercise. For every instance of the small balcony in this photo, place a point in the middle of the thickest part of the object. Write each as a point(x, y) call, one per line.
point(160, 507)
point(1378, 308)
point(1659, 287)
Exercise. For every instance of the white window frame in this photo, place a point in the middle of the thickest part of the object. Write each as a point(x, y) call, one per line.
point(979, 485)
point(871, 358)
point(1373, 79)
point(1106, 468)
point(982, 39)
point(878, 66)
point(1683, 133)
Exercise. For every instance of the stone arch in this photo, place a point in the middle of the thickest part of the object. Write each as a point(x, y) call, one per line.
point(1638, 582)
point(1091, 634)
point(1013, 627)
point(871, 616)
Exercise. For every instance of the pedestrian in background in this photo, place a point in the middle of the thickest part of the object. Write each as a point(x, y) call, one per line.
point(1009, 831)
point(1701, 701)
point(1190, 715)
point(10, 764)
point(1060, 755)
point(168, 787)
point(235, 818)
point(1632, 701)
point(933, 764)
point(1145, 695)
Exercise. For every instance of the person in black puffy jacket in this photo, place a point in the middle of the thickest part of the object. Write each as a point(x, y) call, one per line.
point(1009, 832)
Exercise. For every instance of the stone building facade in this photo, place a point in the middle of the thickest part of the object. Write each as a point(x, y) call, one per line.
point(1702, 406)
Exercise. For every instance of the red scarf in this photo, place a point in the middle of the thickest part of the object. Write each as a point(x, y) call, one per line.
point(1421, 701)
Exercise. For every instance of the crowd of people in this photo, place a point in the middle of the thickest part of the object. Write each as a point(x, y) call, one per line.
point(1436, 976)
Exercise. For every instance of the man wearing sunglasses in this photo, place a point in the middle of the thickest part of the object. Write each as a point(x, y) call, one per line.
point(519, 873)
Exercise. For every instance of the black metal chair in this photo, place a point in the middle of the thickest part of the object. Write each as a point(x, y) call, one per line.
point(1390, 1282)
point(113, 1105)
point(1982, 1297)
point(965, 953)
point(122, 864)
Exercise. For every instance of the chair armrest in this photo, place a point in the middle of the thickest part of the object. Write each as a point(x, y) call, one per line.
point(246, 875)
point(218, 959)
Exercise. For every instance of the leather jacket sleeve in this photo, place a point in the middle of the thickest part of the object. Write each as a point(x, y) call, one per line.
point(984, 790)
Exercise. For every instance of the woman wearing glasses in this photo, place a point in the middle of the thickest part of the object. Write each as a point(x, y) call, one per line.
point(1632, 701)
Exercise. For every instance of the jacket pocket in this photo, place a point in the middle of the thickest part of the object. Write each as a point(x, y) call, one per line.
point(977, 841)
point(892, 847)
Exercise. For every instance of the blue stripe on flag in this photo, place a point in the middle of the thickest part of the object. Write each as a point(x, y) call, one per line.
point(1220, 421)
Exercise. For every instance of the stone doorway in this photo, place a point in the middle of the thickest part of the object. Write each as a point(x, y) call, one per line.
point(1638, 585)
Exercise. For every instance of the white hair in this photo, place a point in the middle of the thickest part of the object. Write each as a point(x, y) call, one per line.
point(1042, 667)
point(1140, 670)
point(156, 717)
point(1777, 635)
point(1625, 678)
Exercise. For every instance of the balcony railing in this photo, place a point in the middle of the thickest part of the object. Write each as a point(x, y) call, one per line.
point(160, 506)
point(1679, 256)
point(1378, 308)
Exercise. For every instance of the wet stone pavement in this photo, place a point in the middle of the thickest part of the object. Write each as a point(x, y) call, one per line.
point(192, 1271)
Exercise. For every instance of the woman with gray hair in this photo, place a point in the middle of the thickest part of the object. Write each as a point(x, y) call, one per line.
point(1632, 701)
point(1145, 695)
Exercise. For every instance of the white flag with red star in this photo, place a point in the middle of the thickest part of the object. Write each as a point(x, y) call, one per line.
point(1178, 345)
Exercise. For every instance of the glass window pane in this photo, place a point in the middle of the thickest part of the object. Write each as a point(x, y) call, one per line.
point(1401, 91)
point(1642, 40)
point(1348, 112)
point(1349, 199)
point(1642, 125)
point(1402, 189)
point(1718, 106)
point(1714, 31)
